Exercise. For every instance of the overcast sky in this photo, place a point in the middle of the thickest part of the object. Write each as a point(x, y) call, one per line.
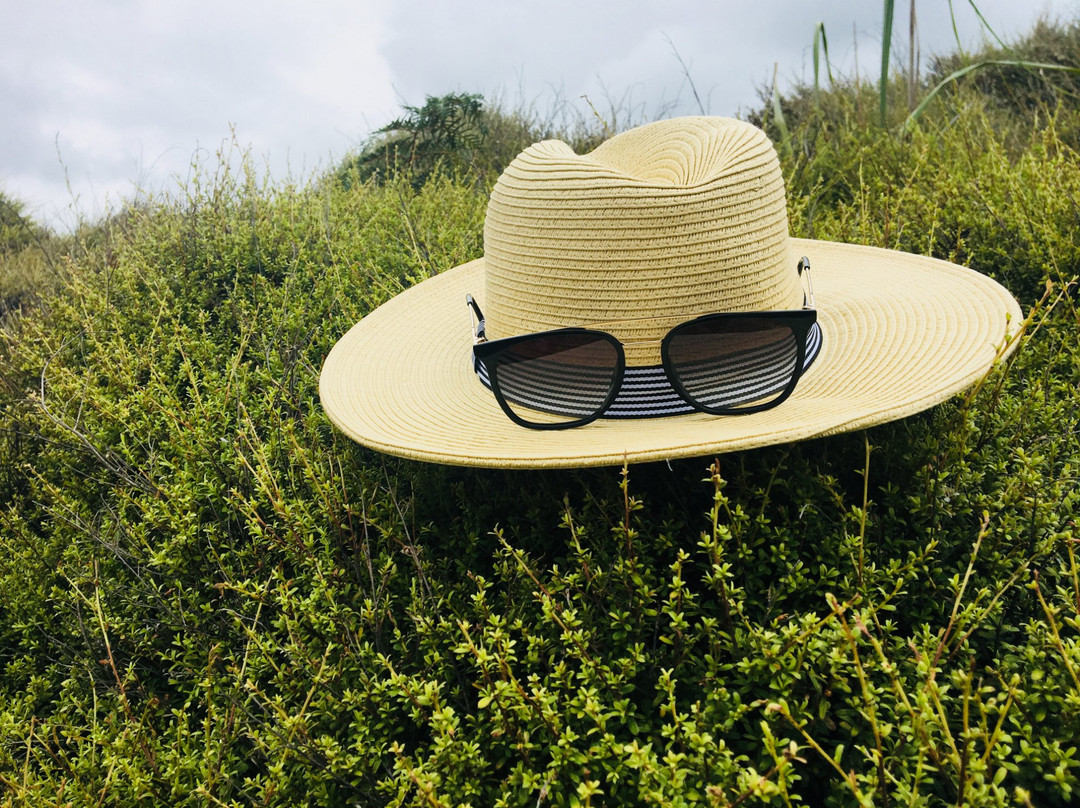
point(114, 98)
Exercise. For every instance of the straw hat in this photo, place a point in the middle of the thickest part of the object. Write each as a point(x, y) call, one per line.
point(668, 221)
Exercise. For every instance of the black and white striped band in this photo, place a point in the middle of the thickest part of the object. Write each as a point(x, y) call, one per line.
point(646, 392)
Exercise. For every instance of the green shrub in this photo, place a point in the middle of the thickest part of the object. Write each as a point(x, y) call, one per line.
point(26, 257)
point(1018, 91)
point(459, 135)
point(209, 596)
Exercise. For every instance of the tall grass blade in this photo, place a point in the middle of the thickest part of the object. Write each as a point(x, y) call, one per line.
point(778, 114)
point(913, 59)
point(918, 111)
point(982, 19)
point(686, 75)
point(956, 31)
point(821, 46)
point(886, 46)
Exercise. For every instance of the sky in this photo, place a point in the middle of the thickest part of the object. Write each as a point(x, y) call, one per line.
point(113, 100)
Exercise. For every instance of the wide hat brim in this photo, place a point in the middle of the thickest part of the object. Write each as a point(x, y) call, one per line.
point(901, 334)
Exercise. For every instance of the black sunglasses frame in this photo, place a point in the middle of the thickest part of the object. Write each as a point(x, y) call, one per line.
point(800, 321)
point(483, 351)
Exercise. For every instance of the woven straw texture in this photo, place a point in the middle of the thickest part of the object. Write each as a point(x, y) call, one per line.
point(670, 220)
point(666, 222)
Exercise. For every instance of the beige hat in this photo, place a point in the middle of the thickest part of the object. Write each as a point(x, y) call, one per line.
point(658, 225)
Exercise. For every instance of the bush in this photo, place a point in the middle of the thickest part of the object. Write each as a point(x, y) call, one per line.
point(1018, 91)
point(459, 135)
point(209, 596)
point(26, 257)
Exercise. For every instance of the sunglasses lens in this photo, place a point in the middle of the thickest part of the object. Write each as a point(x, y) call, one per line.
point(732, 364)
point(558, 378)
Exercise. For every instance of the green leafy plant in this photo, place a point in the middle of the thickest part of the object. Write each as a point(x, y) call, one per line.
point(209, 596)
point(444, 131)
point(946, 71)
point(26, 256)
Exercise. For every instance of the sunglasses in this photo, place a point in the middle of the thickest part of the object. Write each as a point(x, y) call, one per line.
point(732, 363)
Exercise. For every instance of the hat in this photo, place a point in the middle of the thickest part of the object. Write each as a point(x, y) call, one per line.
point(658, 225)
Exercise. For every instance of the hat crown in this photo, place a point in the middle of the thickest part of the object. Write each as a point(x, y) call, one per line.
point(663, 223)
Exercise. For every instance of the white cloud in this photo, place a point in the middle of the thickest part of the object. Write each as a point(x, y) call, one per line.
point(132, 89)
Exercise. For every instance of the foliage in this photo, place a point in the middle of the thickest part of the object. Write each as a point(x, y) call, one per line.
point(1016, 90)
point(1037, 73)
point(457, 134)
point(25, 256)
point(445, 131)
point(210, 596)
point(17, 230)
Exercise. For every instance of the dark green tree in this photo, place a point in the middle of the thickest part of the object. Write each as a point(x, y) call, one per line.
point(446, 132)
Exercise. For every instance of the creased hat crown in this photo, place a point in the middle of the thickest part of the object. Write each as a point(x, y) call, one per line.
point(666, 222)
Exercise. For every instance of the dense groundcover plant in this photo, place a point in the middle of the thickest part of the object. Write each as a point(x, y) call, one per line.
point(210, 597)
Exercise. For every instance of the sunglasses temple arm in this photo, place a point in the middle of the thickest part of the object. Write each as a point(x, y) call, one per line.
point(481, 335)
point(808, 298)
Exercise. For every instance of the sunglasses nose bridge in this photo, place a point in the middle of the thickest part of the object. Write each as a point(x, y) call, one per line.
point(642, 337)
point(641, 352)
